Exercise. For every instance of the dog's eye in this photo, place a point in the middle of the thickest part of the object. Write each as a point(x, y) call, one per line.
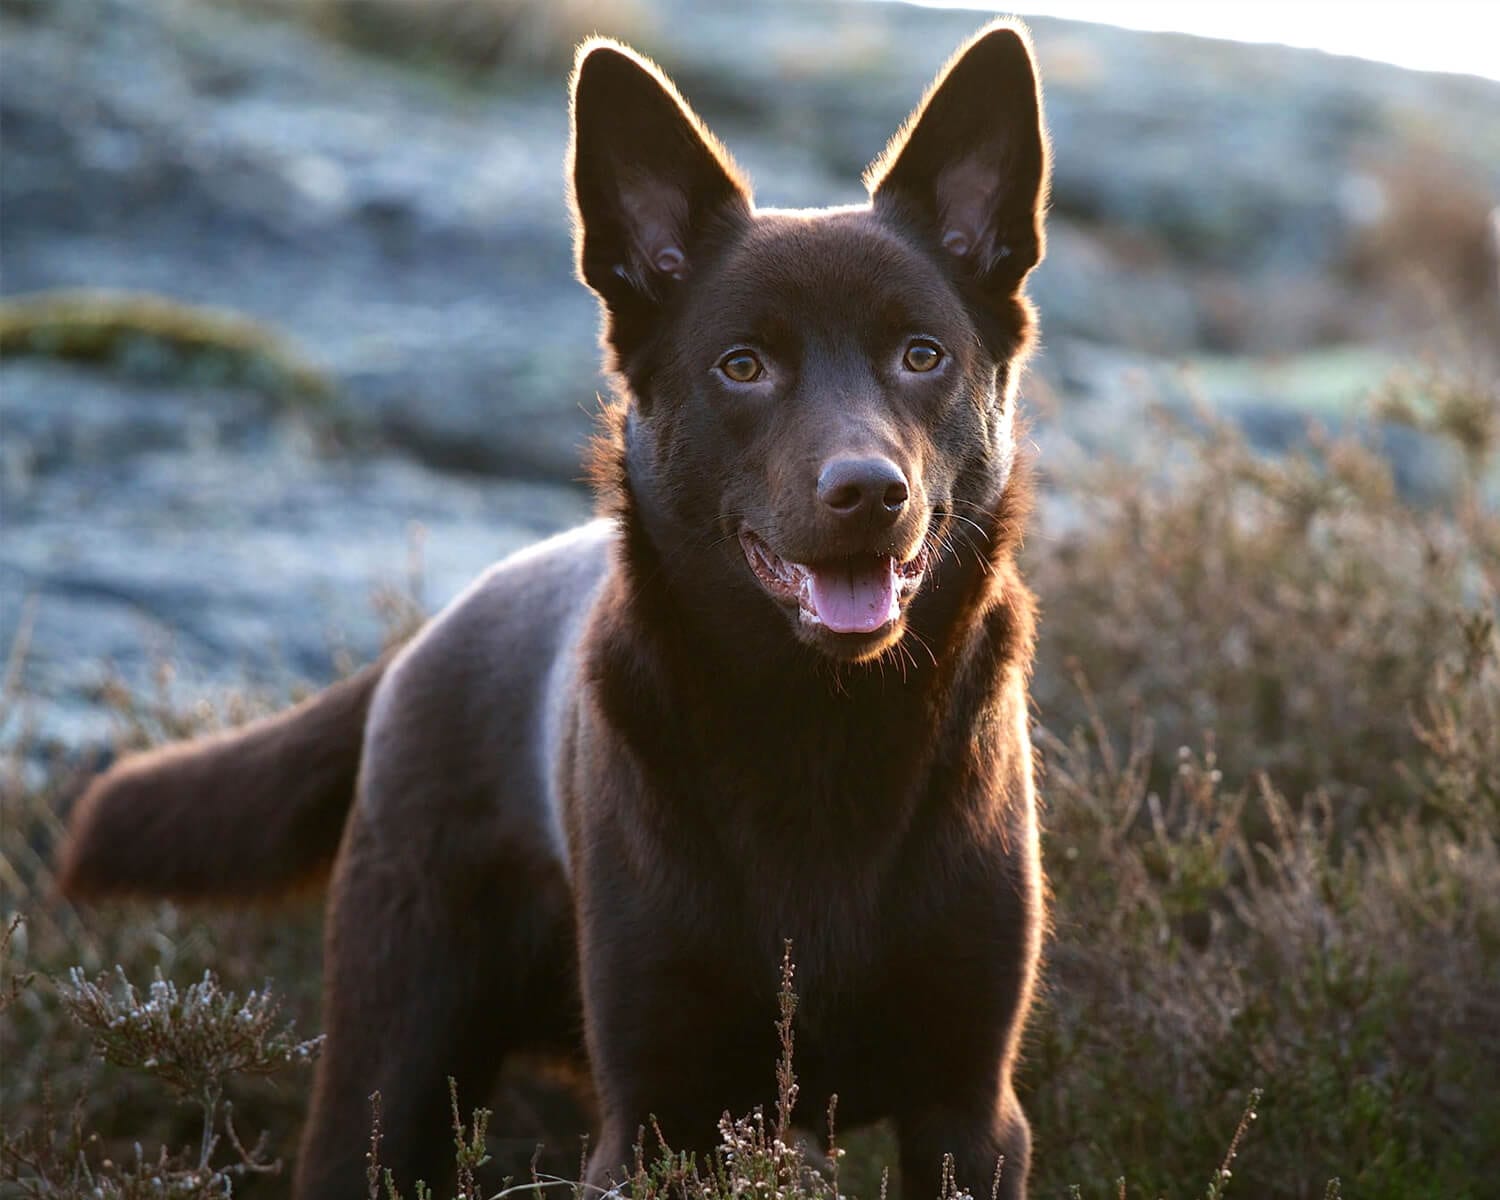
point(922, 355)
point(742, 367)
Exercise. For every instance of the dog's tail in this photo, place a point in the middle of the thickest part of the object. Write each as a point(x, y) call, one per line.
point(250, 813)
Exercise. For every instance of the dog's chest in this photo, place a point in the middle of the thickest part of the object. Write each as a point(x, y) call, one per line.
point(819, 854)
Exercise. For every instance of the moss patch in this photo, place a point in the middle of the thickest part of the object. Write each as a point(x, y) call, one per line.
point(151, 335)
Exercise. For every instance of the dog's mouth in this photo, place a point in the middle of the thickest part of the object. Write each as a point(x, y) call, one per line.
point(860, 594)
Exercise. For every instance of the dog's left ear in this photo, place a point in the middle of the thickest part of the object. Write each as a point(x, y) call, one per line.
point(970, 165)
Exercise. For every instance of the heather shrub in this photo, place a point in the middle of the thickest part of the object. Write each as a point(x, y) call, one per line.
point(1350, 978)
point(1304, 903)
point(1269, 692)
point(67, 1110)
point(194, 1041)
point(1299, 608)
point(1429, 241)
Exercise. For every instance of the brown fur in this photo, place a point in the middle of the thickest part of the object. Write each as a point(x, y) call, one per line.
point(248, 813)
point(597, 793)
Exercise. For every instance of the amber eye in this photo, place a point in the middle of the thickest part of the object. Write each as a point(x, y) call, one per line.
point(742, 367)
point(922, 356)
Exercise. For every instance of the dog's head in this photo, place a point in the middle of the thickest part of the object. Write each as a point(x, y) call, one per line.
point(817, 405)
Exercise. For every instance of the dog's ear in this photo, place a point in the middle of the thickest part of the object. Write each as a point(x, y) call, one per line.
point(648, 182)
point(969, 167)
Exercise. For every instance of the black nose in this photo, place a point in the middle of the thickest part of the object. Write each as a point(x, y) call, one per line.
point(871, 489)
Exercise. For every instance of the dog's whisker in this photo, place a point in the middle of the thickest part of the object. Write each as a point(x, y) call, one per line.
point(953, 516)
point(906, 657)
point(981, 509)
point(921, 641)
point(979, 555)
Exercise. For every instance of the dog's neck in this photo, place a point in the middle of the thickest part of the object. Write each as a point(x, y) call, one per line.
point(838, 751)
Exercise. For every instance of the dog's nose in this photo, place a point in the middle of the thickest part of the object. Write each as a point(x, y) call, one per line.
point(871, 489)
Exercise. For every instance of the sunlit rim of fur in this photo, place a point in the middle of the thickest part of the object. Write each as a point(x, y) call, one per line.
point(876, 172)
point(601, 45)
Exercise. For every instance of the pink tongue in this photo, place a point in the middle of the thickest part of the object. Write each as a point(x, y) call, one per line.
point(856, 596)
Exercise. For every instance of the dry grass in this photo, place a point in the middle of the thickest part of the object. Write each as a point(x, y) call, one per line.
point(1272, 833)
point(1294, 608)
point(1427, 232)
point(1303, 902)
point(60, 1100)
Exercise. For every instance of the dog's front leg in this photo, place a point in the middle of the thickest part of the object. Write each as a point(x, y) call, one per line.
point(990, 1133)
point(676, 1036)
point(957, 1094)
point(672, 1049)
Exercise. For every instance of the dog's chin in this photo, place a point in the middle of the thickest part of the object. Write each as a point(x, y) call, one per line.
point(851, 647)
point(851, 608)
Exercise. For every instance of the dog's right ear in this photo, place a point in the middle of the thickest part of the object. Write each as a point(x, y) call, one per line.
point(970, 166)
point(648, 182)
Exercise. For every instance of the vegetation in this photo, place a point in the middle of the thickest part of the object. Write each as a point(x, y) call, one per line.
point(156, 337)
point(1271, 699)
point(1268, 694)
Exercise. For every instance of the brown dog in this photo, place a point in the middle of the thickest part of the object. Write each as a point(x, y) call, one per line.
point(777, 691)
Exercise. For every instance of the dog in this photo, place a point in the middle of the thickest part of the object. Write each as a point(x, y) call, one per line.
point(777, 690)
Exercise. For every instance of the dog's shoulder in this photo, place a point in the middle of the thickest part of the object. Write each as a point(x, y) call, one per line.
point(527, 599)
point(478, 690)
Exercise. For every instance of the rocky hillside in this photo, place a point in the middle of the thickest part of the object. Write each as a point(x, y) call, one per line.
point(417, 366)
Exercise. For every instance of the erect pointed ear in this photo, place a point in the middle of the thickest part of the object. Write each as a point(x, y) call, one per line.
point(970, 164)
point(648, 179)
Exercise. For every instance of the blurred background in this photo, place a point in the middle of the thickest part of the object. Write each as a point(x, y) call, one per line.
point(290, 315)
point(290, 349)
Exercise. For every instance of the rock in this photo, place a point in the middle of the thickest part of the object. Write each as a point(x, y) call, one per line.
point(414, 241)
point(146, 526)
point(408, 234)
